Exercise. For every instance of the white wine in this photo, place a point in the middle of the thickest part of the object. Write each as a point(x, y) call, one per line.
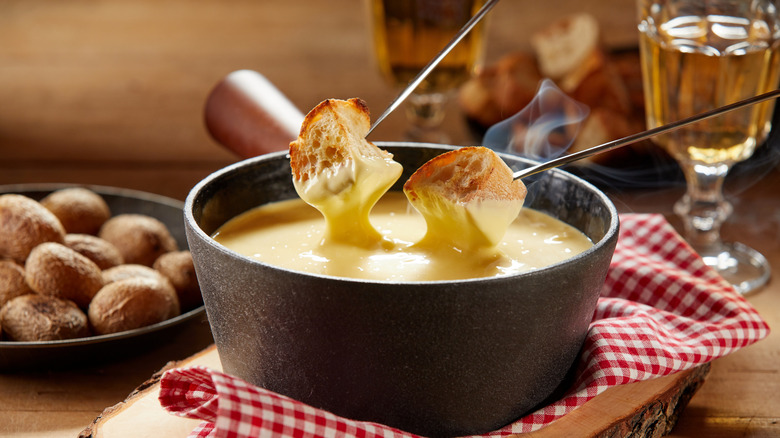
point(409, 33)
point(693, 64)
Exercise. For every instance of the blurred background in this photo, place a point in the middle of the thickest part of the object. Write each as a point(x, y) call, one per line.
point(116, 88)
point(112, 92)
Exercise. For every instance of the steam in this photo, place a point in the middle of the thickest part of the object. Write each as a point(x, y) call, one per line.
point(547, 128)
point(543, 130)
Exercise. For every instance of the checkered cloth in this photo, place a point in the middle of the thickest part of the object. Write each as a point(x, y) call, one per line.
point(662, 310)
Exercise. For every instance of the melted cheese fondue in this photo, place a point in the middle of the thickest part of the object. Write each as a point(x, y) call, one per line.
point(346, 193)
point(290, 234)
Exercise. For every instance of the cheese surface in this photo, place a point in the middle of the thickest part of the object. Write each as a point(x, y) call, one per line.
point(291, 234)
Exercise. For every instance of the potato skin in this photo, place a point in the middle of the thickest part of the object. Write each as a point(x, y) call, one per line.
point(178, 267)
point(130, 270)
point(80, 210)
point(12, 283)
point(52, 250)
point(25, 224)
point(103, 253)
point(132, 303)
point(56, 270)
point(139, 238)
point(35, 317)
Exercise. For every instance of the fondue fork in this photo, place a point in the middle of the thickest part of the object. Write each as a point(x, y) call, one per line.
point(644, 135)
point(434, 62)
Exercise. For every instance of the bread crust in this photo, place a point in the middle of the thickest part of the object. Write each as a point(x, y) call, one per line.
point(331, 133)
point(500, 90)
point(570, 52)
point(468, 198)
point(339, 172)
point(568, 49)
point(464, 175)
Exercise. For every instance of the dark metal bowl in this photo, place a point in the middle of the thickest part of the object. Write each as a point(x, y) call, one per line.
point(18, 356)
point(435, 358)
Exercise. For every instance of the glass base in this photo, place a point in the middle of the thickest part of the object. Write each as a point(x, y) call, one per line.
point(745, 268)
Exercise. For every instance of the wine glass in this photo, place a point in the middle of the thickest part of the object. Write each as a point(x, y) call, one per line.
point(407, 34)
point(697, 55)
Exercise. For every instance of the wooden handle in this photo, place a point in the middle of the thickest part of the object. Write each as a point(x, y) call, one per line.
point(247, 114)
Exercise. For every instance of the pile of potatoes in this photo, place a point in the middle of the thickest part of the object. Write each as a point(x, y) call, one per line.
point(69, 269)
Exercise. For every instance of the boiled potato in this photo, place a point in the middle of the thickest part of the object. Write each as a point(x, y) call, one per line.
point(80, 210)
point(36, 317)
point(178, 267)
point(132, 303)
point(139, 238)
point(100, 251)
point(56, 270)
point(25, 224)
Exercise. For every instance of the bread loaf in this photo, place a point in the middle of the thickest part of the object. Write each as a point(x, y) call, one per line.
point(569, 53)
point(568, 50)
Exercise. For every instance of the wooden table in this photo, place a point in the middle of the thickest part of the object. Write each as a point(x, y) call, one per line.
point(112, 93)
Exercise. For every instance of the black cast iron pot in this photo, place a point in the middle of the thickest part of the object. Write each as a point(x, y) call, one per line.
point(435, 358)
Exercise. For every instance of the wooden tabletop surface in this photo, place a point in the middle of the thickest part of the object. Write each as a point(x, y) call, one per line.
point(112, 93)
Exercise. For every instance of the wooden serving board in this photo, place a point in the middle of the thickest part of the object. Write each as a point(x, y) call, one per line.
point(643, 409)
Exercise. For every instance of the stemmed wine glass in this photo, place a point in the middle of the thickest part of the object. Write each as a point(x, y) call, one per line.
point(407, 34)
point(697, 55)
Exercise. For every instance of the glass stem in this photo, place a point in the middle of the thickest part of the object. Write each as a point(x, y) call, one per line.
point(703, 208)
point(426, 113)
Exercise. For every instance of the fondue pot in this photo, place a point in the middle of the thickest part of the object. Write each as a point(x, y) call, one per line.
point(438, 358)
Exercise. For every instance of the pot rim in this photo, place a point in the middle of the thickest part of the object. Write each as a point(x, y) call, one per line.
point(189, 218)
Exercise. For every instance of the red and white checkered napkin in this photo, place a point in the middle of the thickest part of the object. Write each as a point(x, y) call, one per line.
point(661, 311)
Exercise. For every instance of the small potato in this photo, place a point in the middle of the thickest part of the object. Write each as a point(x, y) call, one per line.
point(24, 224)
point(177, 266)
point(12, 282)
point(122, 272)
point(139, 238)
point(80, 210)
point(100, 251)
point(36, 317)
point(56, 270)
point(132, 303)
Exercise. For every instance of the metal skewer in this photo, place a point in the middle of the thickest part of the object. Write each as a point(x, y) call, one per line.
point(643, 135)
point(434, 62)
